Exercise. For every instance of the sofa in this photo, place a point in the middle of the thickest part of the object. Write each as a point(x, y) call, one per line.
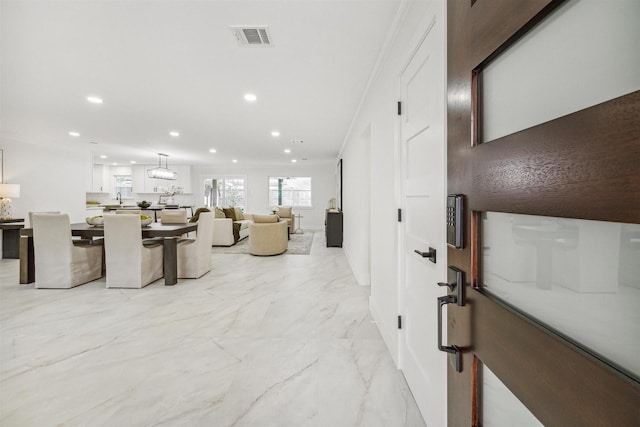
point(230, 225)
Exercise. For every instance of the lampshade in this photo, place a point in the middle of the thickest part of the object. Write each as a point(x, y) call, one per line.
point(10, 190)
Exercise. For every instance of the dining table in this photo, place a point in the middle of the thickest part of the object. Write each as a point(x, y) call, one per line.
point(167, 234)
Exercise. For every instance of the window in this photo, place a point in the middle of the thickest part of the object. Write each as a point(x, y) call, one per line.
point(123, 185)
point(224, 191)
point(290, 191)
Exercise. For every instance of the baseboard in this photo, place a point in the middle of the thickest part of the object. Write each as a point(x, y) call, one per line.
point(388, 331)
point(363, 278)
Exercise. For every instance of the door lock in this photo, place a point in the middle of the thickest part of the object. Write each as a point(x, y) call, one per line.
point(455, 279)
point(431, 254)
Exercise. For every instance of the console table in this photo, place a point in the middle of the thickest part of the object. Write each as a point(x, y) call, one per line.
point(333, 228)
point(11, 237)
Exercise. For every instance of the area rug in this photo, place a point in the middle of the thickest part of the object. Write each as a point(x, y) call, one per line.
point(300, 244)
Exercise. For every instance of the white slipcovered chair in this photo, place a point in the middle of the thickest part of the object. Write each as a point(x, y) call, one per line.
point(128, 211)
point(173, 216)
point(267, 235)
point(194, 256)
point(44, 212)
point(129, 263)
point(59, 262)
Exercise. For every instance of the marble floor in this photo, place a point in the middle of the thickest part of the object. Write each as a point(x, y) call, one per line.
point(273, 341)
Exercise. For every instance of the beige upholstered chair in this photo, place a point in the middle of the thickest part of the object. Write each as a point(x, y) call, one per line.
point(194, 256)
point(266, 236)
point(173, 216)
point(129, 263)
point(59, 263)
point(128, 211)
point(286, 213)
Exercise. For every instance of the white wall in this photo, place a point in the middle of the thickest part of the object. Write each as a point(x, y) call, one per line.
point(378, 114)
point(356, 178)
point(323, 187)
point(51, 179)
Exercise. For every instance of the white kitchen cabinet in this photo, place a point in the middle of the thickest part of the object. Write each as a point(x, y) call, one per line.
point(153, 185)
point(138, 175)
point(101, 179)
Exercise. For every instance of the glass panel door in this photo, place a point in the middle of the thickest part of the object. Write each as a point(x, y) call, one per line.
point(580, 278)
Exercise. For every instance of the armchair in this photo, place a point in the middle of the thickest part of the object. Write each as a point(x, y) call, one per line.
point(286, 213)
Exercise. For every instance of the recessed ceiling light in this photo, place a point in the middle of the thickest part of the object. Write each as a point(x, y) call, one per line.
point(102, 156)
point(212, 150)
point(250, 97)
point(235, 160)
point(275, 133)
point(114, 164)
point(286, 150)
point(94, 99)
point(174, 133)
point(293, 160)
point(74, 133)
point(132, 162)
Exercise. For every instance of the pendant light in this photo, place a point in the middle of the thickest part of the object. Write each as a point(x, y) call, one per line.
point(162, 172)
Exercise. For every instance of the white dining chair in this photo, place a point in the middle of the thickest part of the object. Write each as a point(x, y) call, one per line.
point(44, 212)
point(128, 211)
point(60, 263)
point(129, 263)
point(173, 216)
point(194, 255)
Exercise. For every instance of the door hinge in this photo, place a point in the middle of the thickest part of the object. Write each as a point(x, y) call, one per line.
point(399, 322)
point(399, 215)
point(399, 108)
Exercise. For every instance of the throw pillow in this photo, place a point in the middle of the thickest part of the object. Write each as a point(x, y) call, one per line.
point(219, 213)
point(284, 212)
point(230, 213)
point(239, 216)
point(265, 218)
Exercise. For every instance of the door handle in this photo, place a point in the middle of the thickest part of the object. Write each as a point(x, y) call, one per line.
point(452, 349)
point(431, 254)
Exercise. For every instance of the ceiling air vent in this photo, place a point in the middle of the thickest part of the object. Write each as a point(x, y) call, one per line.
point(252, 36)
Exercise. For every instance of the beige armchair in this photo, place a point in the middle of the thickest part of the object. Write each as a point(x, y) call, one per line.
point(129, 263)
point(267, 237)
point(286, 213)
point(58, 262)
point(194, 256)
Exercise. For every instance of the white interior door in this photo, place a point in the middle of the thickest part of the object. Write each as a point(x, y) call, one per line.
point(423, 157)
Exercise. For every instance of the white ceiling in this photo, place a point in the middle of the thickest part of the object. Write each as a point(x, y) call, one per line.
point(175, 65)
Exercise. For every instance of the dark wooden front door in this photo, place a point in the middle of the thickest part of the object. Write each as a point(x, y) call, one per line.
point(584, 165)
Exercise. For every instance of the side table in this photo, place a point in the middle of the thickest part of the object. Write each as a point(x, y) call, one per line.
point(298, 229)
point(11, 237)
